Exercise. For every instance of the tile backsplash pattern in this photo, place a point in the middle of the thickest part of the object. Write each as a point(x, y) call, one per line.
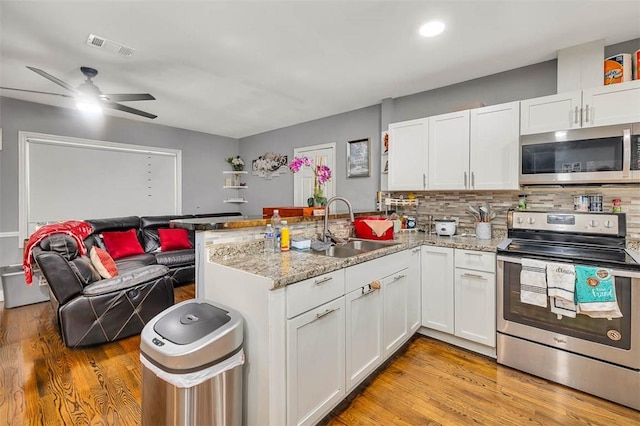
point(453, 204)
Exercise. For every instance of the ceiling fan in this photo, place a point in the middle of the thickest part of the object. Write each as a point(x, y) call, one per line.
point(89, 96)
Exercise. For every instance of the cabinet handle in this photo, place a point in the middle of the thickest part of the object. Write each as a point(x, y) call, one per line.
point(424, 180)
point(575, 116)
point(479, 277)
point(399, 277)
point(322, 280)
point(364, 293)
point(473, 254)
point(465, 179)
point(586, 114)
point(416, 250)
point(473, 179)
point(325, 313)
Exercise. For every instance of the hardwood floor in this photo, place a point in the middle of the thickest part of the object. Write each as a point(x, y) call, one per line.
point(432, 383)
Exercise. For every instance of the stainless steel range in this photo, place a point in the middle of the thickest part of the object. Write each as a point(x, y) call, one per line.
point(596, 355)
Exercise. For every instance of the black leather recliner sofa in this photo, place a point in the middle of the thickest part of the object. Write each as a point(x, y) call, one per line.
point(91, 310)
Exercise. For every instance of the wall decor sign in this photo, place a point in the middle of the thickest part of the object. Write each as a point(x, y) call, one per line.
point(359, 158)
point(269, 164)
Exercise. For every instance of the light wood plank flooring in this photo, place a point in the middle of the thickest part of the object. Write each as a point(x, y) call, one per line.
point(431, 383)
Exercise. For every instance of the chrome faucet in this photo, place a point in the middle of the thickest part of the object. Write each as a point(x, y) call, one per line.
point(327, 236)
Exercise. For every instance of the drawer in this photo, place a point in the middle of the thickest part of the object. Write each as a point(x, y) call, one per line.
point(313, 292)
point(476, 260)
point(363, 273)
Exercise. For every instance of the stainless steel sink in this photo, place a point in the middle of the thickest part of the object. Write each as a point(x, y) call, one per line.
point(353, 247)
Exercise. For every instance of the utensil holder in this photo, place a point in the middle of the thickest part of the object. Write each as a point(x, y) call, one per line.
point(483, 230)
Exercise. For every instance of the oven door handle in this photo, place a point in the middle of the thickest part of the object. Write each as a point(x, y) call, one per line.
point(614, 272)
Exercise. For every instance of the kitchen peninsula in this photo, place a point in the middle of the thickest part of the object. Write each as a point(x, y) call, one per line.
point(317, 326)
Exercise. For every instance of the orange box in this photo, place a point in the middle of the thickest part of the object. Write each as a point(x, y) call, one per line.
point(618, 68)
point(267, 212)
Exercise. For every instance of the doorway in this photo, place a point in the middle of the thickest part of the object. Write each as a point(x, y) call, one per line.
point(303, 180)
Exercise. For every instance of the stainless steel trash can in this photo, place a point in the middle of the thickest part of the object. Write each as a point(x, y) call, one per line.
point(192, 357)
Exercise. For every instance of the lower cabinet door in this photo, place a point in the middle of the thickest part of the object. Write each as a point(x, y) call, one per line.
point(475, 306)
point(364, 333)
point(395, 330)
point(315, 362)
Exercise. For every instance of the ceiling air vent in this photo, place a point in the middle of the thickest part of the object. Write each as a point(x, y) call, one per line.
point(109, 45)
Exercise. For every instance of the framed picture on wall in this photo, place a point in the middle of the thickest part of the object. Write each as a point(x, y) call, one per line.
point(359, 158)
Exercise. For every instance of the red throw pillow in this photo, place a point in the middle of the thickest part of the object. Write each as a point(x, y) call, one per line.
point(103, 263)
point(122, 244)
point(174, 239)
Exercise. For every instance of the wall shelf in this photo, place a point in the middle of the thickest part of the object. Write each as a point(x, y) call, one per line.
point(234, 183)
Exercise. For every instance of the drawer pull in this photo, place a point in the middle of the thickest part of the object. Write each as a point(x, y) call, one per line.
point(478, 277)
point(323, 280)
point(399, 277)
point(416, 250)
point(371, 290)
point(327, 312)
point(470, 253)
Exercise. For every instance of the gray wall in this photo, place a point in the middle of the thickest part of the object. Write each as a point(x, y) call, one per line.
point(358, 124)
point(202, 157)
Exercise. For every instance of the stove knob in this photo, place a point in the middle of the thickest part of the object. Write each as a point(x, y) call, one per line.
point(608, 224)
point(593, 223)
point(519, 220)
point(531, 221)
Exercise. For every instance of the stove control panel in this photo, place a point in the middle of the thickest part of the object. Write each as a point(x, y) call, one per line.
point(576, 222)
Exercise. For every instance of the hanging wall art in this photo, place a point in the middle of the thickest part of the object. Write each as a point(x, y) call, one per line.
point(269, 164)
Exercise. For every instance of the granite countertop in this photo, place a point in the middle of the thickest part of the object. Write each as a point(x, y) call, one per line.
point(290, 267)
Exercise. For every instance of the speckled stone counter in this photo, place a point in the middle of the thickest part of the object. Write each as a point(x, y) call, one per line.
point(294, 266)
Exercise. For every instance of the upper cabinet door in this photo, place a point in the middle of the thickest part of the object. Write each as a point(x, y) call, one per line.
point(449, 151)
point(550, 113)
point(612, 104)
point(408, 155)
point(494, 146)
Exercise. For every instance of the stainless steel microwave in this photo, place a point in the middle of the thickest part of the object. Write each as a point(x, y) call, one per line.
point(604, 154)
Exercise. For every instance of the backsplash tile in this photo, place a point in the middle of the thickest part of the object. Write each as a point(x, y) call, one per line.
point(452, 204)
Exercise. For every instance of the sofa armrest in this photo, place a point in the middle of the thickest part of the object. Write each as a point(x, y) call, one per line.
point(63, 282)
point(126, 280)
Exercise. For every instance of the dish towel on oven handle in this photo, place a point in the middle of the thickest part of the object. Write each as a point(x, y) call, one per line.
point(533, 282)
point(561, 283)
point(596, 292)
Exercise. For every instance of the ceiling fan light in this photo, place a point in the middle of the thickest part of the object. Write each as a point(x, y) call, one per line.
point(90, 107)
point(432, 29)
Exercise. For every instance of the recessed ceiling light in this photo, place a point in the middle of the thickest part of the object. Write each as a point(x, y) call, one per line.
point(432, 29)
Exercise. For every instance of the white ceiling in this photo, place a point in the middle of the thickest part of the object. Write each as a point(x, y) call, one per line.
point(238, 68)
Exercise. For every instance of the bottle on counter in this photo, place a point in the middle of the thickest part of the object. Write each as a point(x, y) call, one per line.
point(276, 223)
point(268, 239)
point(284, 236)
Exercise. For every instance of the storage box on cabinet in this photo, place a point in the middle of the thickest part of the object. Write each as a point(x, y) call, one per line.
point(313, 292)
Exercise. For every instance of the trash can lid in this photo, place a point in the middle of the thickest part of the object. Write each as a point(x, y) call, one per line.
point(192, 334)
point(191, 322)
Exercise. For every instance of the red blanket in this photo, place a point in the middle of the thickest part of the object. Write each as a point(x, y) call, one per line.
point(76, 229)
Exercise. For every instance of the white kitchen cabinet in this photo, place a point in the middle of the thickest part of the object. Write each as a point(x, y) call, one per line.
point(493, 153)
point(449, 151)
point(315, 362)
point(475, 149)
point(475, 296)
point(363, 333)
point(598, 106)
point(458, 293)
point(408, 155)
point(437, 288)
point(414, 309)
point(395, 290)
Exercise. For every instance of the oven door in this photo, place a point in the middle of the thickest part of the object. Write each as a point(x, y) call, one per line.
point(614, 340)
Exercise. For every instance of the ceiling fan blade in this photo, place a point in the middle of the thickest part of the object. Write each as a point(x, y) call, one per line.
point(130, 110)
point(55, 80)
point(36, 91)
point(126, 97)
